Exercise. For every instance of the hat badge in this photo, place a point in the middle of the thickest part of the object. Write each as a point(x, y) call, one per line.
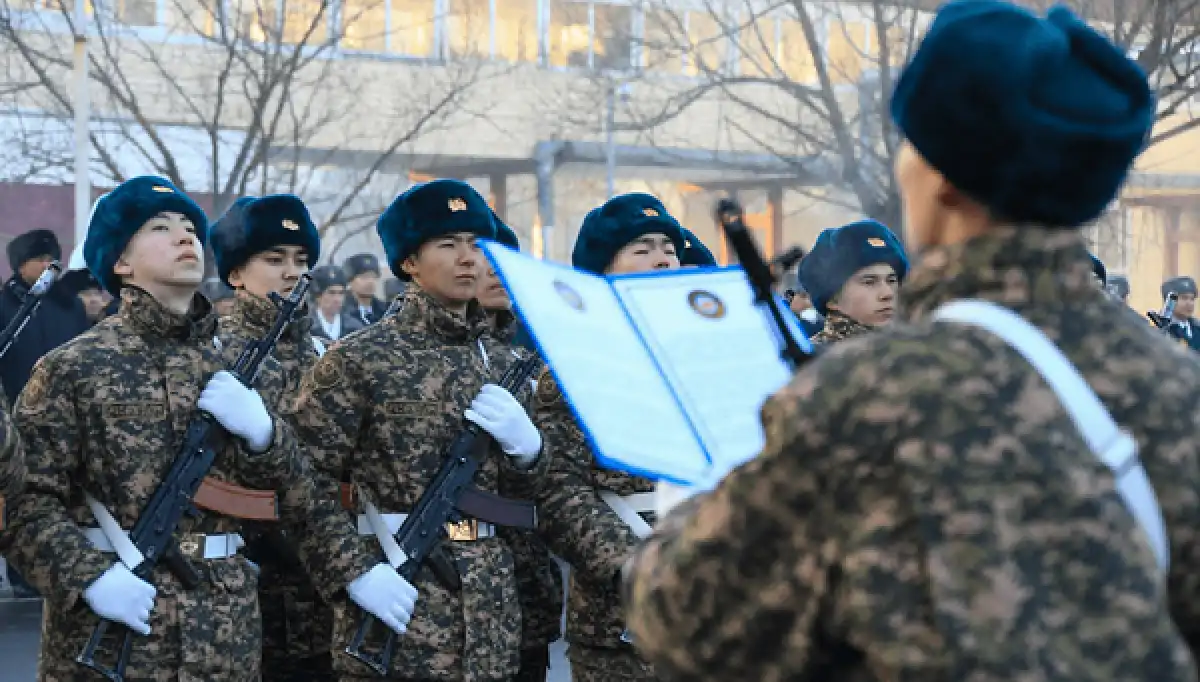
point(290, 224)
point(164, 190)
point(876, 242)
point(653, 213)
point(456, 204)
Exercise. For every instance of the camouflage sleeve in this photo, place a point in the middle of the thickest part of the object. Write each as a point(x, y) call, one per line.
point(48, 548)
point(326, 416)
point(12, 463)
point(575, 522)
point(703, 593)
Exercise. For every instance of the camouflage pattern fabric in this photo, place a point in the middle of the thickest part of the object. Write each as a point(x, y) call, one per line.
point(539, 580)
point(603, 664)
point(585, 531)
point(105, 413)
point(12, 464)
point(838, 327)
point(296, 622)
point(925, 509)
point(379, 409)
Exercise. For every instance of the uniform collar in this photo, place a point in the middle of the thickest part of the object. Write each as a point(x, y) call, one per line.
point(1012, 266)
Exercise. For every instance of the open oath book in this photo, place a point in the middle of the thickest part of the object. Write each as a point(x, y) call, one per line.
point(666, 372)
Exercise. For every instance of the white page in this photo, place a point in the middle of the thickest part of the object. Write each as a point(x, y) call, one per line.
point(722, 365)
point(603, 367)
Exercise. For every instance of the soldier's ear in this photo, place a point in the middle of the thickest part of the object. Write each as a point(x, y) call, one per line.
point(409, 265)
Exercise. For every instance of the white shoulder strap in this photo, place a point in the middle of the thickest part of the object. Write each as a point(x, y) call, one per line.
point(319, 345)
point(1111, 444)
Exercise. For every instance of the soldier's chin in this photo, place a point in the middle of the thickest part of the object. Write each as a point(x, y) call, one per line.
point(185, 275)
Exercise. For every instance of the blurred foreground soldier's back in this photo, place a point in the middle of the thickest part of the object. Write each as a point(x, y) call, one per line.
point(925, 506)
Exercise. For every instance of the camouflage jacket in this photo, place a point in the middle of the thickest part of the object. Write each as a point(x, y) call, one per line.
point(925, 509)
point(380, 409)
point(539, 580)
point(838, 327)
point(295, 353)
point(105, 414)
point(579, 526)
point(12, 464)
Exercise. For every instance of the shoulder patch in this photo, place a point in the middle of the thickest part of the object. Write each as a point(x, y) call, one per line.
point(33, 396)
point(329, 371)
point(548, 392)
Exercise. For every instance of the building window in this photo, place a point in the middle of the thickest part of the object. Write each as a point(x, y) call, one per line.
point(256, 21)
point(305, 22)
point(411, 25)
point(795, 57)
point(364, 25)
point(846, 50)
point(137, 12)
point(664, 42)
point(612, 37)
point(469, 28)
point(709, 49)
point(591, 35)
point(757, 47)
point(569, 34)
point(191, 17)
point(516, 28)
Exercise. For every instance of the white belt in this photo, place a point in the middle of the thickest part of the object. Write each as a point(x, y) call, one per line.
point(628, 509)
point(220, 546)
point(394, 521)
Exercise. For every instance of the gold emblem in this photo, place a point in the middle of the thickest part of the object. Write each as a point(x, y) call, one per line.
point(547, 389)
point(650, 212)
point(290, 225)
point(455, 205)
point(327, 372)
point(163, 190)
point(876, 242)
point(569, 295)
point(462, 531)
point(189, 547)
point(706, 304)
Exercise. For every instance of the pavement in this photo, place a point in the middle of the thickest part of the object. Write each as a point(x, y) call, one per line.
point(20, 632)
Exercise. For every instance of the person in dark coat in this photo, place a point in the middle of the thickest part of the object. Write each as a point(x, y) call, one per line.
point(330, 320)
point(362, 280)
point(92, 295)
point(60, 318)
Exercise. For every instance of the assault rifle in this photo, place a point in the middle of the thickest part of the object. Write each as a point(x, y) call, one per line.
point(152, 537)
point(758, 271)
point(423, 530)
point(29, 306)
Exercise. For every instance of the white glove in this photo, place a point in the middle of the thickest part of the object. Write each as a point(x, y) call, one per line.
point(384, 594)
point(122, 597)
point(239, 409)
point(496, 411)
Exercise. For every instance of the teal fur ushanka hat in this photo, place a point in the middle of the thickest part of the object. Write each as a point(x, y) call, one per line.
point(253, 225)
point(1037, 119)
point(119, 215)
point(428, 211)
point(622, 219)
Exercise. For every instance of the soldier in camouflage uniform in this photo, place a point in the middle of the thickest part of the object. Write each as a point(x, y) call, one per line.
point(262, 246)
point(104, 414)
point(925, 508)
point(539, 580)
point(629, 233)
point(852, 274)
point(381, 408)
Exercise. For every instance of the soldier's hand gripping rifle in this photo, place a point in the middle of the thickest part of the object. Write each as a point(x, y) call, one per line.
point(29, 306)
point(758, 271)
point(1162, 319)
point(152, 537)
point(424, 529)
